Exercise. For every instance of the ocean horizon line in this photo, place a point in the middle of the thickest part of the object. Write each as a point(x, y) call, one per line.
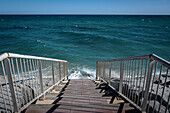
point(84, 14)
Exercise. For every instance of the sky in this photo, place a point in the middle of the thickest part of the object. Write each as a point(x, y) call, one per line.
point(146, 7)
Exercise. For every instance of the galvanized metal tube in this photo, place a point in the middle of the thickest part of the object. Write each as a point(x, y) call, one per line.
point(32, 76)
point(137, 82)
point(124, 77)
point(129, 80)
point(144, 80)
point(147, 86)
point(59, 70)
point(96, 70)
point(15, 80)
point(2, 92)
point(40, 75)
point(64, 69)
point(99, 69)
point(26, 79)
point(110, 71)
point(104, 70)
point(157, 89)
point(19, 81)
point(134, 79)
point(67, 69)
point(23, 81)
point(140, 81)
point(152, 85)
point(6, 85)
point(28, 71)
point(53, 73)
point(163, 90)
point(35, 74)
point(11, 84)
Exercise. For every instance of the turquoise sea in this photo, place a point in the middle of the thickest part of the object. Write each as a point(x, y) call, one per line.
point(85, 39)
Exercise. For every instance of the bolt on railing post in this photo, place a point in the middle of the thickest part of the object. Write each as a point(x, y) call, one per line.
point(96, 70)
point(121, 76)
point(40, 75)
point(147, 86)
point(11, 84)
point(53, 73)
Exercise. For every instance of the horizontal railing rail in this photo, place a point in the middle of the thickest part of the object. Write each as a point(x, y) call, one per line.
point(24, 79)
point(142, 80)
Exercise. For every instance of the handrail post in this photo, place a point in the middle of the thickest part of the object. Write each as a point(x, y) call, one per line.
point(147, 86)
point(96, 70)
point(53, 73)
point(103, 70)
point(67, 69)
point(110, 71)
point(64, 68)
point(59, 67)
point(40, 75)
point(11, 84)
point(121, 76)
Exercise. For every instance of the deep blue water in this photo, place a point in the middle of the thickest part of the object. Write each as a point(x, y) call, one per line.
point(83, 40)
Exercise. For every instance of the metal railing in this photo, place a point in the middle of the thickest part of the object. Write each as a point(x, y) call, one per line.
point(143, 81)
point(24, 79)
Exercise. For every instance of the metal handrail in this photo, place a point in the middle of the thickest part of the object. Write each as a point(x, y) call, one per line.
point(138, 77)
point(24, 79)
point(13, 55)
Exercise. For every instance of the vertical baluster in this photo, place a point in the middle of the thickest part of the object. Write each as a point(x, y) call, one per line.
point(152, 85)
point(110, 71)
point(121, 76)
point(6, 85)
point(59, 65)
point(23, 82)
point(19, 82)
point(2, 92)
point(129, 82)
point(127, 78)
point(96, 70)
point(15, 80)
point(64, 69)
point(53, 73)
point(40, 75)
point(26, 79)
point(11, 84)
point(32, 77)
point(140, 82)
point(99, 70)
point(144, 81)
point(134, 80)
point(67, 70)
point(31, 88)
point(35, 76)
point(157, 89)
point(103, 70)
point(147, 87)
point(163, 90)
point(137, 82)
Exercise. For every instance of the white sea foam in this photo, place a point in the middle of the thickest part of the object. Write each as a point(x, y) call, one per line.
point(82, 73)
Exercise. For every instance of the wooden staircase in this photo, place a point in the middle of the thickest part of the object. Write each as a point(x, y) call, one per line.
point(81, 96)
